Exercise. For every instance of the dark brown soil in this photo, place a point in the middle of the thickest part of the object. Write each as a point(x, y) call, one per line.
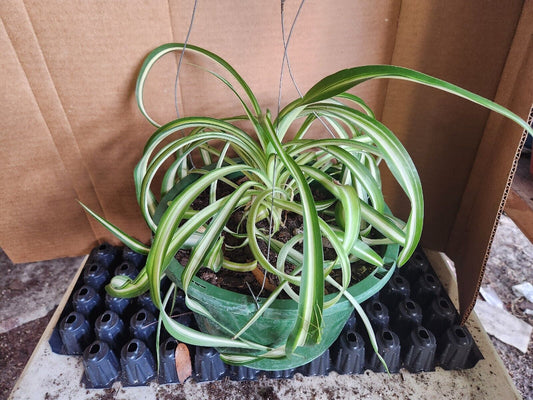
point(16, 347)
point(247, 282)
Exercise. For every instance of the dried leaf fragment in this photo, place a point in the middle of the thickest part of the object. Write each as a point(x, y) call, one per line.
point(183, 362)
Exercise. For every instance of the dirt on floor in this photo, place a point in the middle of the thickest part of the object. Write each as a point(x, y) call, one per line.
point(16, 347)
point(509, 264)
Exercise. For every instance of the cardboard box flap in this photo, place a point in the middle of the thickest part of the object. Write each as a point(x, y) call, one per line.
point(80, 60)
point(446, 135)
point(32, 64)
point(494, 167)
point(443, 132)
point(33, 173)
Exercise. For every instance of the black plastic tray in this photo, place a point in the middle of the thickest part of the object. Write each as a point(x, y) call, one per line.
point(415, 323)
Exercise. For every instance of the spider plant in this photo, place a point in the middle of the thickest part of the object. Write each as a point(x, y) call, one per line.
point(273, 170)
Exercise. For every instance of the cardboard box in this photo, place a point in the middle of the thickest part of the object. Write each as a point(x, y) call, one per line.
point(71, 130)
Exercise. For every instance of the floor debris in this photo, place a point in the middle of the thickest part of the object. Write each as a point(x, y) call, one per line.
point(490, 296)
point(29, 291)
point(524, 289)
point(503, 325)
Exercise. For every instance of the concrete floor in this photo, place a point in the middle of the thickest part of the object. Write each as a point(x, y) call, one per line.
point(30, 291)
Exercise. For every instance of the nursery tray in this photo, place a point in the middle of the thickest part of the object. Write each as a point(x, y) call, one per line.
point(49, 375)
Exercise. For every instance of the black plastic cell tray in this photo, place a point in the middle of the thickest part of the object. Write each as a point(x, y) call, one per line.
point(415, 322)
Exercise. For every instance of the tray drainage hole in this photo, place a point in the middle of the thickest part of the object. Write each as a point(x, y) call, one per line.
point(351, 337)
point(387, 336)
point(423, 334)
point(132, 347)
point(102, 247)
point(459, 332)
point(106, 317)
point(443, 303)
point(171, 345)
point(377, 307)
point(398, 280)
point(124, 267)
point(83, 291)
point(430, 278)
point(141, 316)
point(93, 268)
point(95, 348)
point(410, 305)
point(71, 318)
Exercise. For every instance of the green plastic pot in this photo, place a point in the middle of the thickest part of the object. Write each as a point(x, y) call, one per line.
point(273, 327)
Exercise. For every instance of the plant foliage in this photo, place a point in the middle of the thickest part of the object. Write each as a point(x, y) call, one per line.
point(278, 172)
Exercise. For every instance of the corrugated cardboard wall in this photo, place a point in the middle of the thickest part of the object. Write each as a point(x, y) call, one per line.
point(77, 63)
point(482, 200)
point(451, 40)
point(468, 44)
point(71, 130)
